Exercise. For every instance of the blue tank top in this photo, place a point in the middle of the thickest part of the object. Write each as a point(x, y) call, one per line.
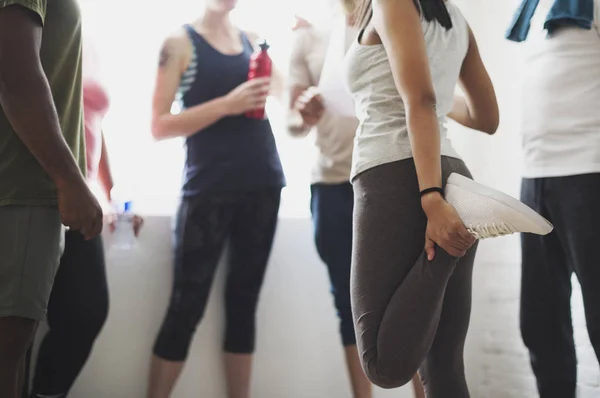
point(236, 152)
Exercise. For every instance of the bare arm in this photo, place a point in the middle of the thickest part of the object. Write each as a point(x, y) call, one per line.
point(165, 124)
point(398, 24)
point(300, 80)
point(298, 72)
point(25, 94)
point(479, 108)
point(104, 173)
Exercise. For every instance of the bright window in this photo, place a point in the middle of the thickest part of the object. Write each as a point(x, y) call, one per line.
point(128, 36)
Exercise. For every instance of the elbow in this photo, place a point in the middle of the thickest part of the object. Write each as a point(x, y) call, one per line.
point(14, 79)
point(491, 123)
point(7, 77)
point(158, 130)
point(425, 101)
point(491, 127)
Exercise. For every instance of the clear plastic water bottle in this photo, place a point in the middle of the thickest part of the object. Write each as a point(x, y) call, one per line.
point(124, 235)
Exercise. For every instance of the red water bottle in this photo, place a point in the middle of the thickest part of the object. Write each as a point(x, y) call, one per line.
point(260, 66)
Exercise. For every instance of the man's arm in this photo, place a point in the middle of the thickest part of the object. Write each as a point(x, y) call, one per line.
point(25, 94)
point(299, 79)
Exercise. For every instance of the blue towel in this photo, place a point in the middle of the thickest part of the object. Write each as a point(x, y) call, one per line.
point(563, 13)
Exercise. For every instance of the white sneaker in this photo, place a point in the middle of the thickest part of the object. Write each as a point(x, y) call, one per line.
point(488, 213)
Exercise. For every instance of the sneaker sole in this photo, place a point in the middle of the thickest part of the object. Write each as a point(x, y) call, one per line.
point(470, 185)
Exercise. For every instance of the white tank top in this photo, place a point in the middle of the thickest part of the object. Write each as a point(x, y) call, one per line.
point(382, 135)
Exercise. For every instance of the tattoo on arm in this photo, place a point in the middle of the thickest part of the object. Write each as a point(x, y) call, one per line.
point(164, 57)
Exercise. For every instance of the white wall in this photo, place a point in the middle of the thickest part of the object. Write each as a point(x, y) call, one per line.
point(298, 352)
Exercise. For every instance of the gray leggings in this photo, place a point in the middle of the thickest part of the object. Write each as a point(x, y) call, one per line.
point(410, 314)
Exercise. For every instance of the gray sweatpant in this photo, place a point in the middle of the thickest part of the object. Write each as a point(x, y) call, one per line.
point(410, 314)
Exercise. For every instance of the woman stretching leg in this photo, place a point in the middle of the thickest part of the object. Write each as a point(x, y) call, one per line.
point(332, 197)
point(412, 255)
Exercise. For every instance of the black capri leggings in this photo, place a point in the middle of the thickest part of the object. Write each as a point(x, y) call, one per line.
point(203, 225)
point(410, 314)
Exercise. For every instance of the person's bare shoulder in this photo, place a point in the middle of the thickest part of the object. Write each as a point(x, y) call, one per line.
point(177, 47)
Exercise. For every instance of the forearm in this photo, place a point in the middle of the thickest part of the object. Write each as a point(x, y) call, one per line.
point(295, 122)
point(465, 114)
point(424, 130)
point(104, 174)
point(27, 101)
point(189, 121)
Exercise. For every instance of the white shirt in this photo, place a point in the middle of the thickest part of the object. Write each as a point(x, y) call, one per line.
point(334, 134)
point(560, 119)
point(382, 136)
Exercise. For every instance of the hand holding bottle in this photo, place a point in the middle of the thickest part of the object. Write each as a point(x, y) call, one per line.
point(137, 222)
point(248, 96)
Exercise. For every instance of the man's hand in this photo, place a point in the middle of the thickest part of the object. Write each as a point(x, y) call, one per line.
point(137, 224)
point(310, 106)
point(79, 209)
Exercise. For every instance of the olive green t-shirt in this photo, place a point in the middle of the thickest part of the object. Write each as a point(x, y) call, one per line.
point(23, 181)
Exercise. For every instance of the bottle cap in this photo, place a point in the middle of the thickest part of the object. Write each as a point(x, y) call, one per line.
point(264, 46)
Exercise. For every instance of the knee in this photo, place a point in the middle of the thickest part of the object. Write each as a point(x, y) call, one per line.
point(241, 305)
point(387, 379)
point(347, 330)
point(348, 334)
point(321, 245)
point(534, 339)
point(529, 329)
point(174, 338)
